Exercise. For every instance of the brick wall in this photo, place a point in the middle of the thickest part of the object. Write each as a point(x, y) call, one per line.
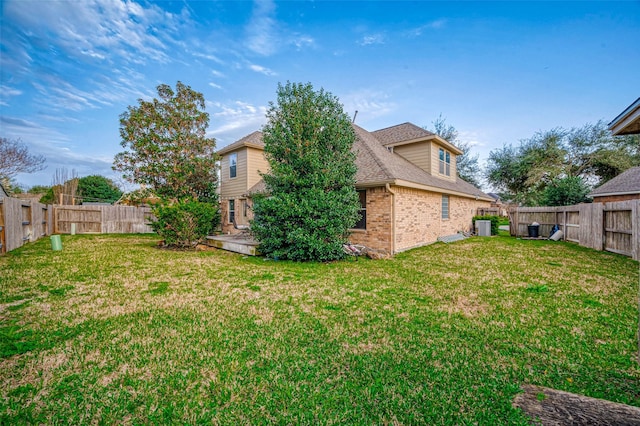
point(612, 198)
point(241, 221)
point(418, 218)
point(378, 232)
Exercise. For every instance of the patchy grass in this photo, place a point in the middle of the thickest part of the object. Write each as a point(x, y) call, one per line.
point(114, 330)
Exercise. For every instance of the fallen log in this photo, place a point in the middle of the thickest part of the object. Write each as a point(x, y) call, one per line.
point(551, 407)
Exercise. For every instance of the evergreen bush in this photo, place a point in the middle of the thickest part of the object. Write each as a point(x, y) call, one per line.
point(185, 224)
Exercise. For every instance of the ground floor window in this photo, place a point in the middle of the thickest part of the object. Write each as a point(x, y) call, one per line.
point(445, 207)
point(362, 223)
point(245, 208)
point(232, 210)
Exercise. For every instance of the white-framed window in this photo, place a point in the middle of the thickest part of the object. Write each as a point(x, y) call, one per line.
point(445, 206)
point(362, 223)
point(232, 210)
point(233, 162)
point(445, 162)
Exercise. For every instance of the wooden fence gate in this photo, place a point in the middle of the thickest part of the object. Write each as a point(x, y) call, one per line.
point(618, 231)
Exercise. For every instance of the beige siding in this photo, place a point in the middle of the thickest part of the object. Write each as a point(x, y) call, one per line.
point(417, 153)
point(257, 163)
point(233, 188)
point(435, 162)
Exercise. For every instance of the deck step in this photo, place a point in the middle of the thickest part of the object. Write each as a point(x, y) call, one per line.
point(234, 243)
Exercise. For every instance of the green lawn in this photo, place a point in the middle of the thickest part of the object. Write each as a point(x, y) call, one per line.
point(115, 330)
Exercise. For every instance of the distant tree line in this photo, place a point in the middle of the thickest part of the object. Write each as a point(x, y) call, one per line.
point(552, 168)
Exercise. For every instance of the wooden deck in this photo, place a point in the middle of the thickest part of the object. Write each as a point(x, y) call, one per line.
point(238, 243)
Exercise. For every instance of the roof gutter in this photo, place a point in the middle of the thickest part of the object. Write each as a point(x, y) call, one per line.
point(608, 194)
point(393, 218)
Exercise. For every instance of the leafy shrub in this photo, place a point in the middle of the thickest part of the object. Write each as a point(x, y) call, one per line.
point(312, 200)
point(495, 222)
point(185, 223)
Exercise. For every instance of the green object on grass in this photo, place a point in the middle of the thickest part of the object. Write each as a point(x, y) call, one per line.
point(56, 243)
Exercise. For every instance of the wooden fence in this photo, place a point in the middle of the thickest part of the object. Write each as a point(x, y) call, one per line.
point(24, 221)
point(105, 219)
point(613, 227)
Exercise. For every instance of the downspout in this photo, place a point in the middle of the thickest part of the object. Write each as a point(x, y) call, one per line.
point(393, 218)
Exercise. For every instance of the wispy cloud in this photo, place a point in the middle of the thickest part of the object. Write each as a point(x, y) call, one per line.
point(301, 41)
point(261, 30)
point(433, 25)
point(214, 85)
point(369, 103)
point(99, 29)
point(262, 70)
point(370, 39)
point(235, 120)
point(6, 93)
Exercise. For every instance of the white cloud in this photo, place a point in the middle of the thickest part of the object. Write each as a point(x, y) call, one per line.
point(261, 30)
point(371, 39)
point(217, 73)
point(302, 41)
point(208, 56)
point(215, 86)
point(99, 29)
point(369, 104)
point(433, 25)
point(236, 120)
point(262, 70)
point(6, 93)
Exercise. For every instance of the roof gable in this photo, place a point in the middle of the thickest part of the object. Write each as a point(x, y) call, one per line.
point(627, 182)
point(401, 133)
point(253, 140)
point(376, 165)
point(407, 133)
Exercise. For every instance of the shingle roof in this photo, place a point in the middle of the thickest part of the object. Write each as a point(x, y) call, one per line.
point(259, 187)
point(377, 166)
point(253, 139)
point(627, 182)
point(400, 133)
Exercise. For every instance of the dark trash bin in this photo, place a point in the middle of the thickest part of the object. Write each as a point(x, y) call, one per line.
point(534, 231)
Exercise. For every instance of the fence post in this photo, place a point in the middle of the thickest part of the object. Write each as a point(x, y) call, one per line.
point(635, 236)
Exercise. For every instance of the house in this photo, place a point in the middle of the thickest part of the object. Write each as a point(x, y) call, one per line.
point(628, 122)
point(625, 186)
point(410, 193)
point(240, 166)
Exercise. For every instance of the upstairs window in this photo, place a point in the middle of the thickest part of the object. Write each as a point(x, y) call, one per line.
point(233, 162)
point(445, 162)
point(362, 223)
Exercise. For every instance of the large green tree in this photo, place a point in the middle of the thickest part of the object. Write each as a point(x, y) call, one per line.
point(311, 202)
point(557, 165)
point(166, 146)
point(98, 188)
point(466, 163)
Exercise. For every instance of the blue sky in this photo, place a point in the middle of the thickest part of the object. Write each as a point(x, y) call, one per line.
point(497, 71)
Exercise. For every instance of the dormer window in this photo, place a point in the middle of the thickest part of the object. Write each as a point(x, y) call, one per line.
point(445, 162)
point(233, 161)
